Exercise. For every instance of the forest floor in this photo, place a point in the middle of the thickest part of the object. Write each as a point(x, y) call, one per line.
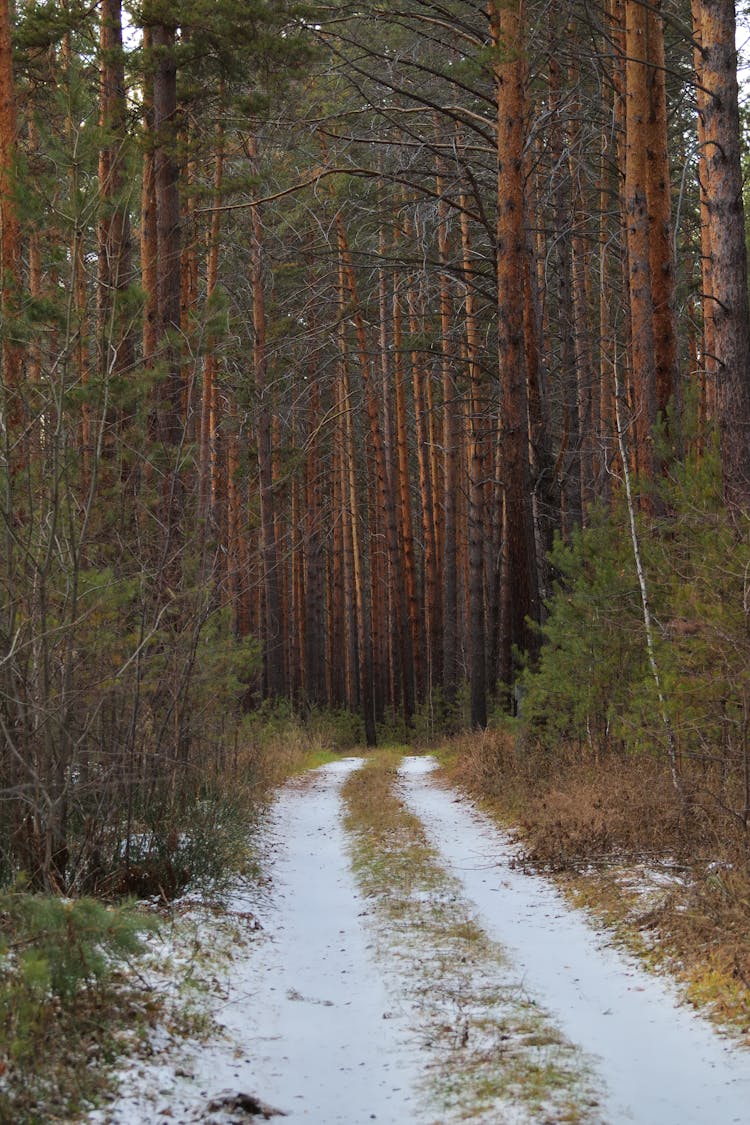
point(397, 965)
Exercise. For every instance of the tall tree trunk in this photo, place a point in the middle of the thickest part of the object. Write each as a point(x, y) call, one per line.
point(11, 407)
point(168, 258)
point(545, 501)
point(353, 524)
point(423, 424)
point(580, 247)
point(274, 619)
point(385, 643)
point(403, 491)
point(236, 563)
point(569, 457)
point(618, 313)
point(208, 453)
point(298, 616)
point(642, 366)
point(607, 340)
point(114, 336)
point(189, 288)
point(380, 618)
point(451, 441)
point(477, 422)
point(708, 346)
point(662, 266)
point(78, 286)
point(384, 481)
point(347, 609)
point(507, 28)
point(316, 658)
point(729, 290)
point(336, 579)
point(10, 233)
point(148, 215)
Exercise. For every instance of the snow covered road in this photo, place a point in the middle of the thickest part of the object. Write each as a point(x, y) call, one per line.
point(317, 1027)
point(323, 1042)
point(308, 1026)
point(659, 1063)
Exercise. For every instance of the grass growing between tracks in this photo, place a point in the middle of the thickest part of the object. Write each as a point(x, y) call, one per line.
point(489, 1044)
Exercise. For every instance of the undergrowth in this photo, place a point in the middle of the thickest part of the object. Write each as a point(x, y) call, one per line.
point(62, 1000)
point(70, 1002)
point(197, 832)
point(667, 870)
point(631, 746)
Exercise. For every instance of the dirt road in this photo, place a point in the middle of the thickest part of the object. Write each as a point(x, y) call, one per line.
point(324, 1020)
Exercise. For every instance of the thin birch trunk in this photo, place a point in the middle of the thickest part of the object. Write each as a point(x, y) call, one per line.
point(648, 628)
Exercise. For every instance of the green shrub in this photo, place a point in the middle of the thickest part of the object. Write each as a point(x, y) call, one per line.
point(51, 948)
point(198, 843)
point(78, 939)
point(593, 651)
point(593, 686)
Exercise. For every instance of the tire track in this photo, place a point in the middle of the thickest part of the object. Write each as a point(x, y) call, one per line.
point(661, 1063)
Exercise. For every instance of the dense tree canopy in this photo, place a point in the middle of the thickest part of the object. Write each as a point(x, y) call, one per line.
point(320, 323)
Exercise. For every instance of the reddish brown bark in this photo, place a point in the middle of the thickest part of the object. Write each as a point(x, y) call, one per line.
point(508, 33)
point(274, 619)
point(726, 228)
point(476, 449)
point(166, 190)
point(642, 366)
point(658, 194)
point(208, 459)
point(359, 619)
point(403, 489)
point(385, 643)
point(298, 616)
point(424, 444)
point(237, 561)
point(451, 441)
point(336, 583)
point(10, 234)
point(568, 458)
point(607, 338)
point(384, 482)
point(316, 658)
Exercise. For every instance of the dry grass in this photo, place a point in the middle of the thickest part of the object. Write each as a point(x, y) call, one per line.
point(266, 754)
point(669, 873)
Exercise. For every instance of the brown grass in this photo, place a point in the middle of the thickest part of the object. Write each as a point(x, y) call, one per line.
point(602, 826)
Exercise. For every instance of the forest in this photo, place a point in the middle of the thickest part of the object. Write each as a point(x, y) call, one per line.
point(386, 358)
point(385, 364)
